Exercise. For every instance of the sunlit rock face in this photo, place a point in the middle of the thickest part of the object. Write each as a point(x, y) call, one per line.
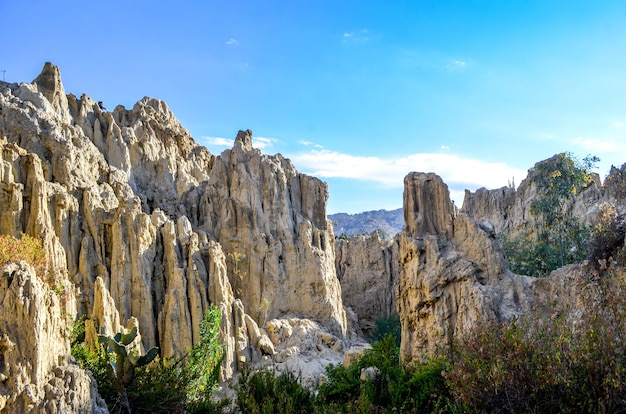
point(368, 269)
point(132, 209)
point(453, 274)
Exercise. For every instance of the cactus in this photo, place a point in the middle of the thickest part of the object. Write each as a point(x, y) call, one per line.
point(122, 369)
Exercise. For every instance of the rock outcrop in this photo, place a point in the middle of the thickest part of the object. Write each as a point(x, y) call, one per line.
point(368, 268)
point(36, 372)
point(453, 274)
point(509, 209)
point(131, 209)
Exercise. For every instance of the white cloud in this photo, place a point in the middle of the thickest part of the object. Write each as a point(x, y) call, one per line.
point(360, 36)
point(457, 172)
point(310, 144)
point(445, 147)
point(263, 142)
point(257, 142)
point(232, 42)
point(456, 64)
point(218, 141)
point(598, 146)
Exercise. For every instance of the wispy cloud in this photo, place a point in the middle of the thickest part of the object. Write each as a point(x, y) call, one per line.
point(257, 142)
point(360, 36)
point(218, 141)
point(599, 146)
point(263, 142)
point(456, 64)
point(232, 42)
point(458, 172)
point(310, 144)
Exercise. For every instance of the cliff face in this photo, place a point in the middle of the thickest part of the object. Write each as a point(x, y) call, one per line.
point(130, 208)
point(453, 273)
point(509, 209)
point(36, 373)
point(368, 269)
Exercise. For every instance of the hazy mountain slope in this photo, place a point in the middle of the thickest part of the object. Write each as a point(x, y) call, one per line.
point(390, 222)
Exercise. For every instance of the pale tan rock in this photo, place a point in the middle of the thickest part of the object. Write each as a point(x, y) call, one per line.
point(454, 276)
point(368, 269)
point(37, 372)
point(144, 220)
point(273, 218)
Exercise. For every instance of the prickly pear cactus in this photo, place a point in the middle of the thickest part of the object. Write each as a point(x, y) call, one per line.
point(122, 368)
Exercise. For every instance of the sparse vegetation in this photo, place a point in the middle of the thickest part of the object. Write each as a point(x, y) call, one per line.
point(560, 239)
point(26, 248)
point(161, 386)
point(555, 366)
point(266, 391)
point(386, 325)
point(396, 387)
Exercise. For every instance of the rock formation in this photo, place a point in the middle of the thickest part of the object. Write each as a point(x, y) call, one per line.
point(368, 268)
point(509, 209)
point(36, 372)
point(143, 227)
point(453, 273)
point(135, 215)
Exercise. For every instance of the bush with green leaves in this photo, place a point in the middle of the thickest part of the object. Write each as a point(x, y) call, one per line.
point(162, 386)
point(548, 366)
point(203, 362)
point(266, 391)
point(389, 324)
point(397, 387)
point(560, 239)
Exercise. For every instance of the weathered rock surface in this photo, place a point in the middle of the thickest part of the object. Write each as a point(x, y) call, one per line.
point(368, 268)
point(509, 209)
point(36, 372)
point(453, 274)
point(145, 223)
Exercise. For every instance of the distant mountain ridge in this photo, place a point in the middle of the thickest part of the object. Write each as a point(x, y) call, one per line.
point(389, 221)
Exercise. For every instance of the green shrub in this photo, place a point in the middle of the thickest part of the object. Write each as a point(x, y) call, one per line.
point(389, 324)
point(203, 362)
point(559, 239)
point(534, 365)
point(266, 392)
point(397, 387)
point(162, 386)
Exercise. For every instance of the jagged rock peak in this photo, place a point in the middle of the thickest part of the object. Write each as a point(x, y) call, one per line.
point(50, 85)
point(427, 206)
point(243, 140)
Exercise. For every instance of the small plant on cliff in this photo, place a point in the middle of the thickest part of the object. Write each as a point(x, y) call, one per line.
point(26, 248)
point(204, 361)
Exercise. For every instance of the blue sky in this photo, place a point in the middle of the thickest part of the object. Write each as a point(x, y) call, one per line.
point(357, 93)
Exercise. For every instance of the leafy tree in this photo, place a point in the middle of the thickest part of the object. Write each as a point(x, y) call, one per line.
point(561, 239)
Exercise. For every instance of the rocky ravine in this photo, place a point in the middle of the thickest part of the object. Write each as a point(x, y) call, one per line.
point(452, 273)
point(143, 227)
point(140, 222)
